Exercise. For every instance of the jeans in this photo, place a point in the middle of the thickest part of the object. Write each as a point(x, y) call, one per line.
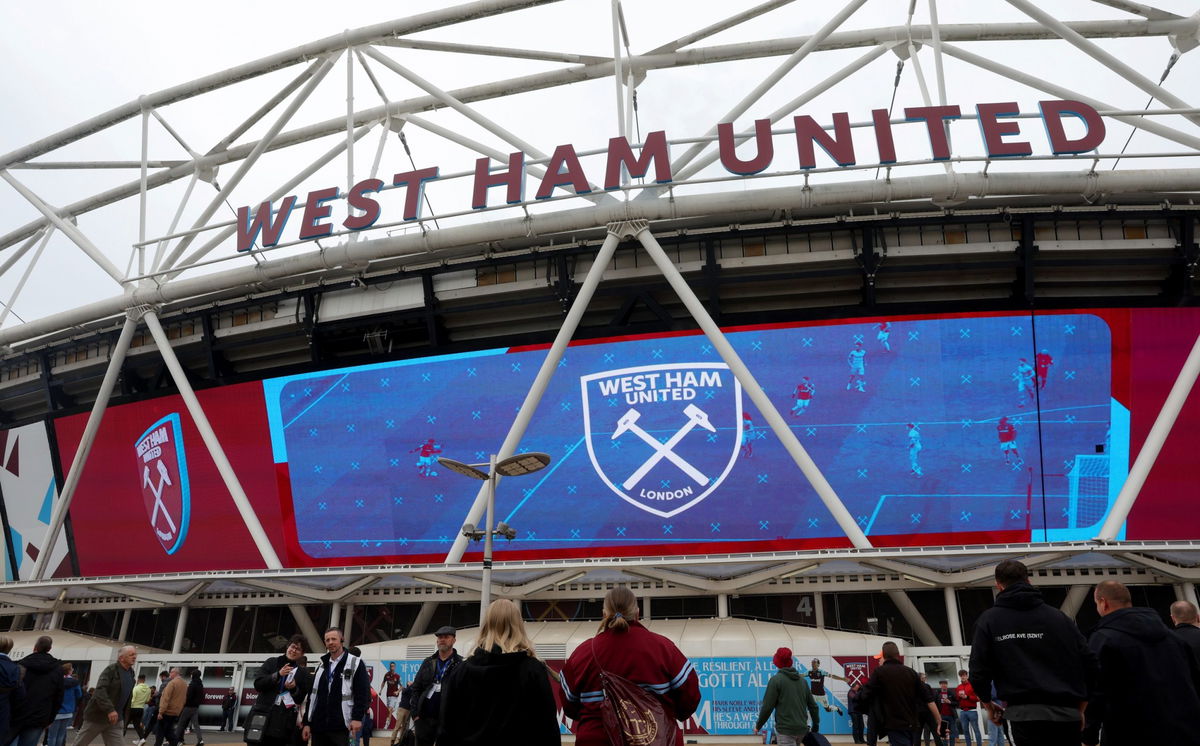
point(58, 730)
point(785, 740)
point(189, 717)
point(856, 727)
point(996, 733)
point(227, 720)
point(166, 730)
point(969, 720)
point(28, 737)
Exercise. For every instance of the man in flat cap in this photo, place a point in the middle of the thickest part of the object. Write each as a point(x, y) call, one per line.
point(426, 688)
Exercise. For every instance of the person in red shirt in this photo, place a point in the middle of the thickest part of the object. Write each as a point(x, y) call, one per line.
point(968, 714)
point(391, 692)
point(947, 705)
point(803, 396)
point(1007, 432)
point(626, 648)
point(1042, 361)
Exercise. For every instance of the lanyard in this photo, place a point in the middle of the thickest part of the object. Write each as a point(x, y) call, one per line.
point(441, 669)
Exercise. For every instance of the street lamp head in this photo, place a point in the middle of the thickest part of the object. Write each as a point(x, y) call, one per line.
point(461, 468)
point(505, 530)
point(522, 463)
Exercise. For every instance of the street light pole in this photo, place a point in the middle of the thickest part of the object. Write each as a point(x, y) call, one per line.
point(513, 466)
point(485, 597)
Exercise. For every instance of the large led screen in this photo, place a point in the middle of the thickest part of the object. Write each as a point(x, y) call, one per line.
point(933, 430)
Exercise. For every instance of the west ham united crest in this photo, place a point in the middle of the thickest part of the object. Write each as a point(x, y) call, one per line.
point(163, 476)
point(663, 437)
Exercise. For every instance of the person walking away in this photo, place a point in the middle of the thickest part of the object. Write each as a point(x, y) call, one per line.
point(626, 648)
point(228, 708)
point(150, 712)
point(898, 698)
point(10, 686)
point(282, 684)
point(1187, 625)
point(857, 709)
point(114, 689)
point(43, 683)
point(1038, 660)
point(968, 709)
point(190, 716)
point(170, 704)
point(426, 688)
point(341, 691)
point(501, 693)
point(1148, 677)
point(72, 691)
point(790, 698)
point(137, 710)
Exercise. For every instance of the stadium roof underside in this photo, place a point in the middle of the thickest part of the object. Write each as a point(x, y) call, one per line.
point(974, 229)
point(774, 573)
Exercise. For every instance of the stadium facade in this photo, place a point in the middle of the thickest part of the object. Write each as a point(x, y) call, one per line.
point(831, 397)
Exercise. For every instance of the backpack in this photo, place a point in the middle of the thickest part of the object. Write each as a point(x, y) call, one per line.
point(631, 715)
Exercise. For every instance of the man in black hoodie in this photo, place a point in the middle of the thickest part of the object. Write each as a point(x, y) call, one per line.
point(1148, 677)
point(1038, 660)
point(43, 679)
point(1187, 625)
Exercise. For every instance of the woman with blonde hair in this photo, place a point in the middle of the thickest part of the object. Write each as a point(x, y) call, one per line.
point(501, 694)
point(625, 648)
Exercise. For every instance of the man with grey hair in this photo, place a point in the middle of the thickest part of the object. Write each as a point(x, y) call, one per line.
point(102, 716)
point(1187, 625)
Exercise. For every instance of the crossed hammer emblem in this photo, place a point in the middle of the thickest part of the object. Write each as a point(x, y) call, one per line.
point(697, 417)
point(164, 478)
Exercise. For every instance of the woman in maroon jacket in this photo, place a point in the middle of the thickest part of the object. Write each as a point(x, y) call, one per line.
point(626, 648)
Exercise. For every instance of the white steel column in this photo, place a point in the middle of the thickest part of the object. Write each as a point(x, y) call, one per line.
point(1076, 595)
point(335, 616)
point(63, 504)
point(225, 628)
point(55, 619)
point(348, 626)
point(646, 608)
point(919, 626)
point(1189, 593)
point(66, 227)
point(722, 606)
point(177, 645)
point(124, 631)
point(316, 641)
point(956, 631)
point(764, 404)
point(1154, 443)
point(819, 609)
point(213, 443)
point(423, 618)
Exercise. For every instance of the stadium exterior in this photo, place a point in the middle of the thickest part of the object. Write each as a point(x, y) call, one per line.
point(684, 238)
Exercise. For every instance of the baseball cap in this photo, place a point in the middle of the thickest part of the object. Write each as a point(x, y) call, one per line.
point(446, 630)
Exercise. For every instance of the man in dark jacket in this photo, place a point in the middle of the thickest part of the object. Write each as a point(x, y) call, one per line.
point(190, 717)
point(1037, 658)
point(341, 692)
point(282, 684)
point(426, 687)
point(897, 699)
point(114, 689)
point(43, 693)
point(1187, 625)
point(10, 687)
point(1148, 677)
point(789, 697)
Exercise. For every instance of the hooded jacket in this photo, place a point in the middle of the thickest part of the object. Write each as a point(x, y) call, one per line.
point(494, 698)
point(1190, 634)
point(1033, 653)
point(1148, 683)
point(789, 696)
point(43, 690)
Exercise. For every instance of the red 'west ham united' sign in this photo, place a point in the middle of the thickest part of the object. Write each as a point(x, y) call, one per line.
point(997, 126)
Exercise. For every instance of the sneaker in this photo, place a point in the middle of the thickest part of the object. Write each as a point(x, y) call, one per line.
point(839, 710)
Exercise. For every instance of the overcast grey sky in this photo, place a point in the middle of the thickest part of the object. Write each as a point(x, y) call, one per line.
point(68, 61)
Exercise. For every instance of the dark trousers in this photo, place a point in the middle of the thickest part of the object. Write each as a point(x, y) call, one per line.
point(427, 729)
point(166, 730)
point(135, 719)
point(856, 726)
point(227, 719)
point(903, 737)
point(330, 738)
point(1044, 733)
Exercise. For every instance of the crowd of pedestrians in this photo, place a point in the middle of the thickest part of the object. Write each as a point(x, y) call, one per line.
point(1033, 677)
